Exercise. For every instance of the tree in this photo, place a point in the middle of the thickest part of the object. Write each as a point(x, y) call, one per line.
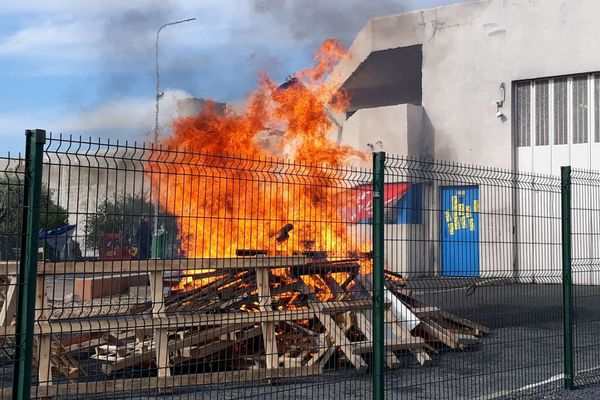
point(12, 188)
point(124, 215)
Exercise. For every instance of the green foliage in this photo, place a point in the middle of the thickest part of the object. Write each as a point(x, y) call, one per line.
point(123, 215)
point(11, 211)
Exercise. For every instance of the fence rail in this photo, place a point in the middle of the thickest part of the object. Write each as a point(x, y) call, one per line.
point(165, 272)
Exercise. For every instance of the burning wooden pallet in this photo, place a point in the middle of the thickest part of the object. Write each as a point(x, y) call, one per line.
point(325, 308)
point(251, 317)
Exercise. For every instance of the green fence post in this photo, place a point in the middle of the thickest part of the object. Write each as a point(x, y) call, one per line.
point(567, 282)
point(28, 264)
point(378, 276)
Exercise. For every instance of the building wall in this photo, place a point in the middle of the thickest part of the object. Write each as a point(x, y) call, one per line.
point(83, 183)
point(398, 129)
point(469, 49)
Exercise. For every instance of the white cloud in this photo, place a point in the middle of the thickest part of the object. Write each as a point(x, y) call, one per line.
point(129, 118)
point(73, 7)
point(54, 40)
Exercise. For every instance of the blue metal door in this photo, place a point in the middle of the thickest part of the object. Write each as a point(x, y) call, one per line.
point(460, 230)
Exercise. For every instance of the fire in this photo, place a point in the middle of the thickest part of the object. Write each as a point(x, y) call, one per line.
point(228, 194)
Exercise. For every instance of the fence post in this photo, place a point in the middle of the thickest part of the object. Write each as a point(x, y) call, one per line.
point(378, 276)
point(567, 283)
point(28, 264)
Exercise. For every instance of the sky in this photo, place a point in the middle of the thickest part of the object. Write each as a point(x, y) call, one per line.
point(86, 67)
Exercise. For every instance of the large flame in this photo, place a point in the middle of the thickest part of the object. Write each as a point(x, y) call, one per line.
point(228, 194)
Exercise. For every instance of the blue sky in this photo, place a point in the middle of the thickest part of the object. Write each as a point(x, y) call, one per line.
point(86, 67)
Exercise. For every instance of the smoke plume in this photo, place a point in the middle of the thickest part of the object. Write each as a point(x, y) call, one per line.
point(311, 21)
point(126, 54)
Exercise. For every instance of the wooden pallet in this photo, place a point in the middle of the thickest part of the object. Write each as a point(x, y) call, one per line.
point(270, 325)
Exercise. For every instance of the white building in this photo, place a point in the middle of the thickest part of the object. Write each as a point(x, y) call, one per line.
point(513, 84)
point(433, 78)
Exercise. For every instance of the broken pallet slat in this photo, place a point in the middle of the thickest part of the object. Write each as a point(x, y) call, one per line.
point(418, 350)
point(438, 332)
point(365, 326)
point(338, 338)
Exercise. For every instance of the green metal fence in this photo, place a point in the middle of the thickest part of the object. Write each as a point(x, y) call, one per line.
point(585, 252)
point(480, 251)
point(156, 272)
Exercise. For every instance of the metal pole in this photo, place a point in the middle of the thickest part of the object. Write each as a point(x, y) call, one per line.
point(378, 276)
point(567, 282)
point(158, 95)
point(34, 151)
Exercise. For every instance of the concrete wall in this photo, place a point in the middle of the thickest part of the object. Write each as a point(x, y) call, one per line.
point(82, 183)
point(399, 129)
point(469, 49)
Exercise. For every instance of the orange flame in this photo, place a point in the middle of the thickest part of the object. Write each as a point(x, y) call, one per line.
point(224, 203)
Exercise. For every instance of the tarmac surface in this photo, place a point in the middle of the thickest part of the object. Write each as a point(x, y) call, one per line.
point(522, 358)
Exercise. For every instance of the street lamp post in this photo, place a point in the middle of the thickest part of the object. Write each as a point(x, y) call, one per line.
point(158, 93)
point(157, 98)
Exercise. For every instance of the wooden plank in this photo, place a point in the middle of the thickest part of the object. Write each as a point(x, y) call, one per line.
point(161, 334)
point(161, 340)
point(9, 306)
point(129, 385)
point(211, 348)
point(268, 328)
point(365, 327)
point(438, 332)
point(325, 350)
point(85, 345)
point(424, 312)
point(174, 345)
point(153, 265)
point(181, 320)
point(421, 355)
point(339, 339)
point(399, 330)
point(44, 354)
point(390, 345)
point(9, 268)
point(477, 329)
point(44, 341)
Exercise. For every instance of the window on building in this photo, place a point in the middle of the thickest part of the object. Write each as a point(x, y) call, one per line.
point(542, 113)
point(580, 109)
point(557, 111)
point(561, 134)
point(523, 122)
point(597, 108)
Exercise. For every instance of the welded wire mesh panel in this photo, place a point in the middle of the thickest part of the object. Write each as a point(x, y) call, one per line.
point(12, 187)
point(201, 276)
point(585, 227)
point(473, 271)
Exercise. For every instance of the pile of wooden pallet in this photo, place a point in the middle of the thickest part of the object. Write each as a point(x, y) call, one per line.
point(324, 309)
point(233, 319)
point(49, 354)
